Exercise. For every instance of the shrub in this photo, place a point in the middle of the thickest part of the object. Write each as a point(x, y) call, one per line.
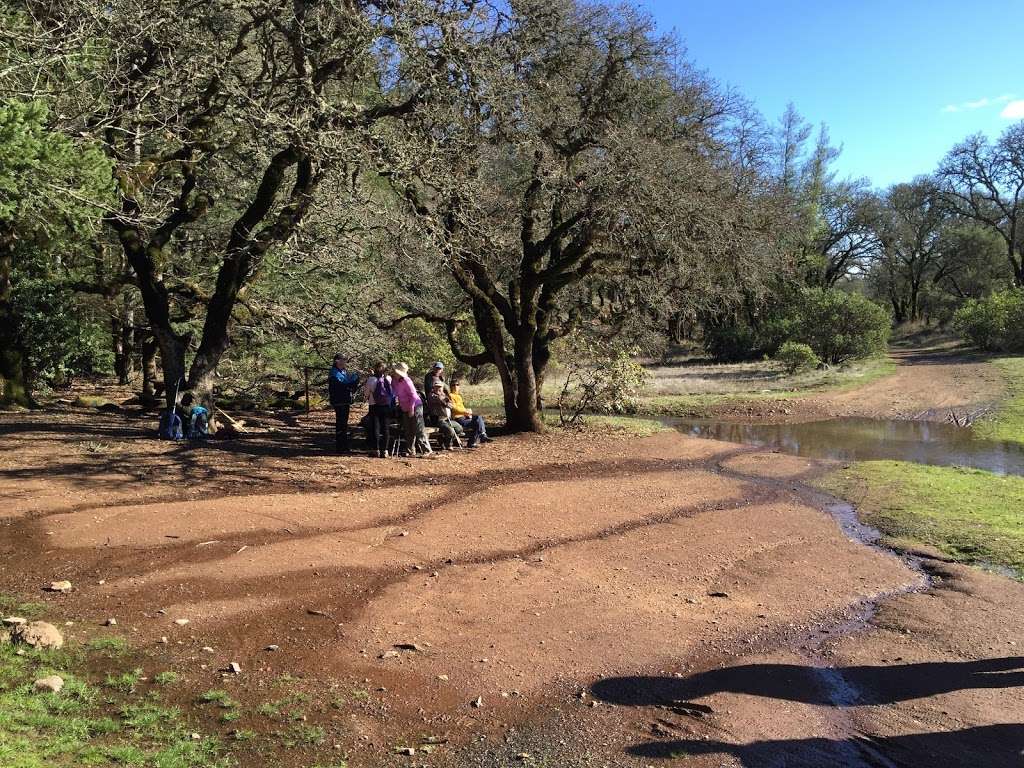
point(841, 326)
point(796, 356)
point(995, 324)
point(599, 378)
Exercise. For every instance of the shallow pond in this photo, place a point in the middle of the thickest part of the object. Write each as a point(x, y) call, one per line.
point(855, 439)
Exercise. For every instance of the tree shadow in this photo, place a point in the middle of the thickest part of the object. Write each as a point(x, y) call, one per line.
point(814, 685)
point(988, 746)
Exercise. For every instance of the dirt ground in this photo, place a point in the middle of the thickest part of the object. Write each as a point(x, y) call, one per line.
point(929, 384)
point(593, 600)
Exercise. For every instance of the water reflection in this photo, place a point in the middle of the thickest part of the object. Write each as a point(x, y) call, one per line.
point(857, 439)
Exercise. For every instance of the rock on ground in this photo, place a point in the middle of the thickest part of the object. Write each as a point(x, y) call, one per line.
point(53, 684)
point(39, 634)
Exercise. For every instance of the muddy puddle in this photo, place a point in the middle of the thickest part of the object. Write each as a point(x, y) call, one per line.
point(858, 439)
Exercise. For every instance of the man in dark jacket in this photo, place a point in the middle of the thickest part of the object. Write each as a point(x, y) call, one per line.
point(341, 387)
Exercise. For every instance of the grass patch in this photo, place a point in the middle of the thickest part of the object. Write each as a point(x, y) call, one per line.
point(630, 425)
point(970, 515)
point(12, 606)
point(1007, 424)
point(85, 725)
point(124, 682)
point(166, 678)
point(110, 646)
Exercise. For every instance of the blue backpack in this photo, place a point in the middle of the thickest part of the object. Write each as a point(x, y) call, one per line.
point(199, 426)
point(170, 426)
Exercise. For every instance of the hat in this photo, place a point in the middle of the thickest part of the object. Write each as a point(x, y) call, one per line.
point(401, 368)
point(438, 384)
point(438, 366)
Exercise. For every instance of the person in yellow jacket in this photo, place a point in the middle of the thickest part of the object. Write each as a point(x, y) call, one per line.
point(465, 416)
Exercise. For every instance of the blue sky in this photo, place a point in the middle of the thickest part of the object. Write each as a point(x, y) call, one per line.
point(898, 82)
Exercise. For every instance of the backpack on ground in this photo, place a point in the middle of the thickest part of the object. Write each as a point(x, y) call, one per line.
point(170, 425)
point(199, 425)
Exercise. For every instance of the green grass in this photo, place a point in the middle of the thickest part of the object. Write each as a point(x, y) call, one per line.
point(124, 682)
point(166, 678)
point(110, 646)
point(11, 606)
point(1007, 424)
point(85, 725)
point(969, 515)
point(631, 425)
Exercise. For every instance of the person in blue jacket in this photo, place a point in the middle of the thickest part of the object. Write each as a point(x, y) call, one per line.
point(341, 387)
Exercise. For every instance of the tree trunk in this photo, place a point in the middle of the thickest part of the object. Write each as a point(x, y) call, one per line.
point(14, 388)
point(149, 372)
point(525, 415)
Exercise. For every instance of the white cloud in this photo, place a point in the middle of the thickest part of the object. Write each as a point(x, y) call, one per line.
point(1014, 110)
point(969, 106)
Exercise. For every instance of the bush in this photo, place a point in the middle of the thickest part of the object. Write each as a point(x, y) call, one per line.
point(600, 378)
point(841, 326)
point(995, 324)
point(737, 340)
point(796, 357)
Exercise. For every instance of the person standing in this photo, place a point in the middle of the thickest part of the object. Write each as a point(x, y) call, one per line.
point(411, 405)
point(379, 395)
point(341, 387)
point(435, 374)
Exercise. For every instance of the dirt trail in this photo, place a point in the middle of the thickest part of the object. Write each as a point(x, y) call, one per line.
point(929, 384)
point(610, 601)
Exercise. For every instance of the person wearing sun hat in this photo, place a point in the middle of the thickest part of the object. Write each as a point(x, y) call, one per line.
point(411, 406)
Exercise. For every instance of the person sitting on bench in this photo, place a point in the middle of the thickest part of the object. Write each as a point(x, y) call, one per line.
point(438, 406)
point(465, 417)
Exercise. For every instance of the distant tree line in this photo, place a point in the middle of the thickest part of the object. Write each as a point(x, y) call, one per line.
point(198, 196)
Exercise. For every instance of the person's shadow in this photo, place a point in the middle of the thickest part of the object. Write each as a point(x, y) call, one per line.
point(810, 685)
point(988, 746)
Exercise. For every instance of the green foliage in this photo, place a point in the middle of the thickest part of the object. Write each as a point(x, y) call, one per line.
point(840, 326)
point(419, 344)
point(796, 356)
point(970, 515)
point(600, 377)
point(995, 324)
point(836, 325)
point(61, 337)
point(50, 186)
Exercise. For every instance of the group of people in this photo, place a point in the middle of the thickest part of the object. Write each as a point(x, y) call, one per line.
point(394, 395)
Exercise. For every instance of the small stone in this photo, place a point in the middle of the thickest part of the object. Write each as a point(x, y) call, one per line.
point(163, 640)
point(443, 678)
point(718, 594)
point(181, 622)
point(405, 750)
point(207, 649)
point(101, 582)
point(389, 655)
point(194, 736)
point(523, 756)
point(38, 634)
point(53, 684)
point(59, 586)
point(235, 667)
point(272, 647)
point(410, 647)
point(111, 622)
point(478, 702)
